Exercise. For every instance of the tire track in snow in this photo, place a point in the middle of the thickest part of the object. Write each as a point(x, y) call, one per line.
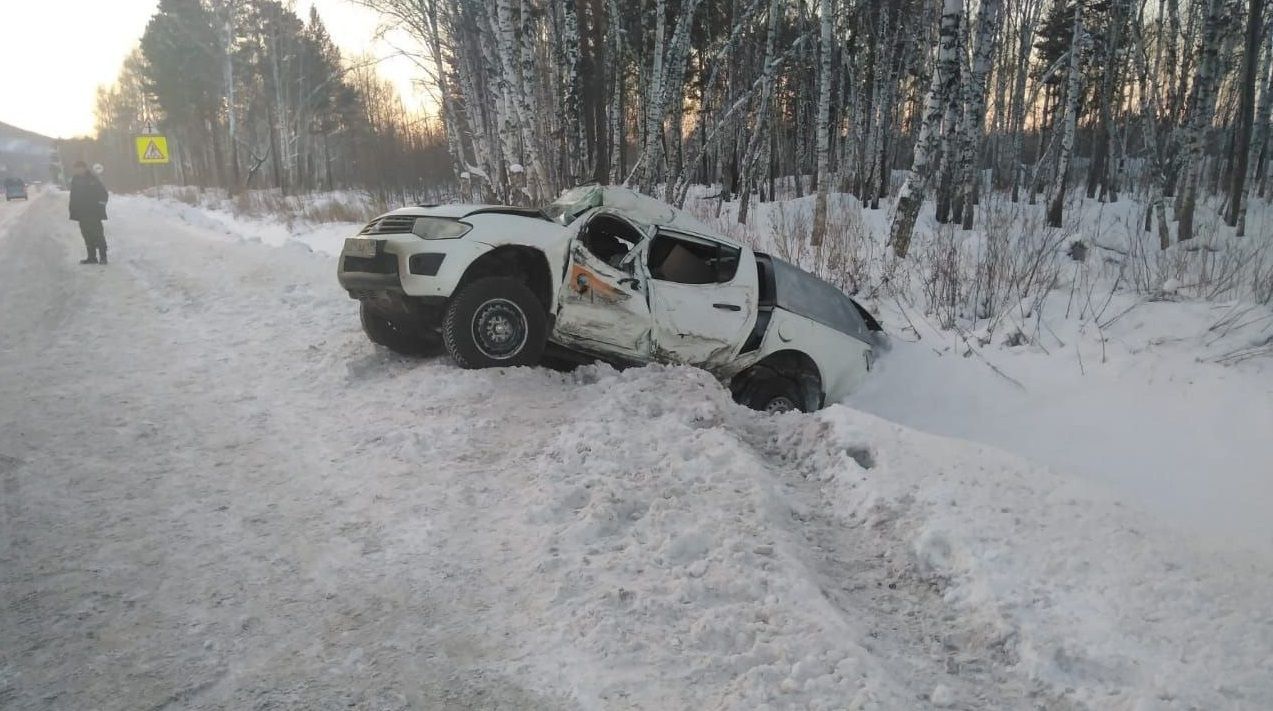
point(866, 569)
point(233, 516)
point(40, 287)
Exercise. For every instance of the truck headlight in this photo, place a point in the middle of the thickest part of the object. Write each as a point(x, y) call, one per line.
point(439, 228)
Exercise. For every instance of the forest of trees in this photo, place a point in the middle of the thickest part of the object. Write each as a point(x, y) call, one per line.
point(253, 96)
point(1168, 99)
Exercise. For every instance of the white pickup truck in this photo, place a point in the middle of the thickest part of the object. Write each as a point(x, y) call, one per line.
point(605, 273)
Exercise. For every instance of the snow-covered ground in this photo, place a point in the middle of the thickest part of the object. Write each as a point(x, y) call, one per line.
point(1165, 397)
point(1158, 422)
point(217, 494)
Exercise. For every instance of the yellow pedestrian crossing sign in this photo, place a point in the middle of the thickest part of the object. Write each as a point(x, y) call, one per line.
point(152, 150)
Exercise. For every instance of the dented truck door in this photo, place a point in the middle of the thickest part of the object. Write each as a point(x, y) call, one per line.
point(703, 297)
point(603, 308)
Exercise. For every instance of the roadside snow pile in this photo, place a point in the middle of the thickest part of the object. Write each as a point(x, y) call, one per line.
point(728, 559)
point(669, 550)
point(215, 213)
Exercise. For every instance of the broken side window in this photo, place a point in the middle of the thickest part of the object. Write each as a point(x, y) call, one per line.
point(609, 238)
point(686, 260)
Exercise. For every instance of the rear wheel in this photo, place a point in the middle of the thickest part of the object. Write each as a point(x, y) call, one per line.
point(494, 322)
point(396, 336)
point(770, 392)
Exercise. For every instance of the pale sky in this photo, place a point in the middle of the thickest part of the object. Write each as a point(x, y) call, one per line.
point(55, 53)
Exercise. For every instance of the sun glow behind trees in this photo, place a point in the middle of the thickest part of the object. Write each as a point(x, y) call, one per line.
point(1029, 97)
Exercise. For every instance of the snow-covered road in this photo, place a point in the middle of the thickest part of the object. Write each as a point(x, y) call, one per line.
point(217, 494)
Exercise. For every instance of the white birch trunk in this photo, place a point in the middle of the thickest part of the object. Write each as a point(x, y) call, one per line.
point(1259, 139)
point(538, 171)
point(1206, 81)
point(985, 45)
point(450, 119)
point(764, 106)
point(1025, 38)
point(673, 91)
point(614, 113)
point(1149, 101)
point(950, 151)
point(518, 106)
point(824, 120)
point(650, 141)
point(573, 106)
point(1056, 202)
point(912, 193)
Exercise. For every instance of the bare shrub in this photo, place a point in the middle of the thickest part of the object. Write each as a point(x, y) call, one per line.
point(940, 277)
point(1262, 277)
point(1000, 273)
point(791, 232)
point(337, 209)
point(262, 203)
point(848, 257)
point(1214, 265)
point(188, 195)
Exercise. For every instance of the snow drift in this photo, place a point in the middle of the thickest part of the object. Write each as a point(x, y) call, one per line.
point(249, 504)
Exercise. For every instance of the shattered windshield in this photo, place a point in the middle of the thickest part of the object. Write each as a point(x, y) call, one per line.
point(573, 203)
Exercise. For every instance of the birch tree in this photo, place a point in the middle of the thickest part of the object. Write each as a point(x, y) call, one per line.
point(926, 144)
point(670, 94)
point(985, 42)
point(531, 96)
point(1261, 145)
point(1202, 111)
point(764, 109)
point(1100, 176)
point(1246, 111)
point(826, 21)
point(1149, 103)
point(1056, 202)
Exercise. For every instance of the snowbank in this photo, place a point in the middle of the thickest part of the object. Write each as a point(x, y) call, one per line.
point(677, 551)
point(245, 503)
point(1154, 397)
point(215, 214)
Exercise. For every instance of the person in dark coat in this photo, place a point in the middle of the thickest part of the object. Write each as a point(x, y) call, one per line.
point(88, 207)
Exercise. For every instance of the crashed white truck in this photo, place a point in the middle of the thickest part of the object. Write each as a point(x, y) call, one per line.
point(605, 273)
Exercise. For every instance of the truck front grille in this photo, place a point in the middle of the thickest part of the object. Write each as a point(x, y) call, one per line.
point(390, 224)
point(383, 263)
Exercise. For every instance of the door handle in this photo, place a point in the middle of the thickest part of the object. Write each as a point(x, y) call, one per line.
point(728, 307)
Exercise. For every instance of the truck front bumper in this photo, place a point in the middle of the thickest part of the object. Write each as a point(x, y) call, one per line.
point(408, 265)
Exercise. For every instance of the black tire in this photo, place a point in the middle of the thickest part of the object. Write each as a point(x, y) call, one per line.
point(773, 393)
point(495, 322)
point(412, 341)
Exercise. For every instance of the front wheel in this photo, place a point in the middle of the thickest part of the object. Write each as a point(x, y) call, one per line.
point(494, 322)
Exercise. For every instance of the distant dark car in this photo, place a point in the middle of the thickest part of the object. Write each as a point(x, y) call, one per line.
point(14, 189)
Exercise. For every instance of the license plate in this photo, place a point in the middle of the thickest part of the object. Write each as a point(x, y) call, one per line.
point(356, 247)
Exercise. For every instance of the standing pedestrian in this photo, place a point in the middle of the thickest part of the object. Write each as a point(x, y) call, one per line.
point(88, 207)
